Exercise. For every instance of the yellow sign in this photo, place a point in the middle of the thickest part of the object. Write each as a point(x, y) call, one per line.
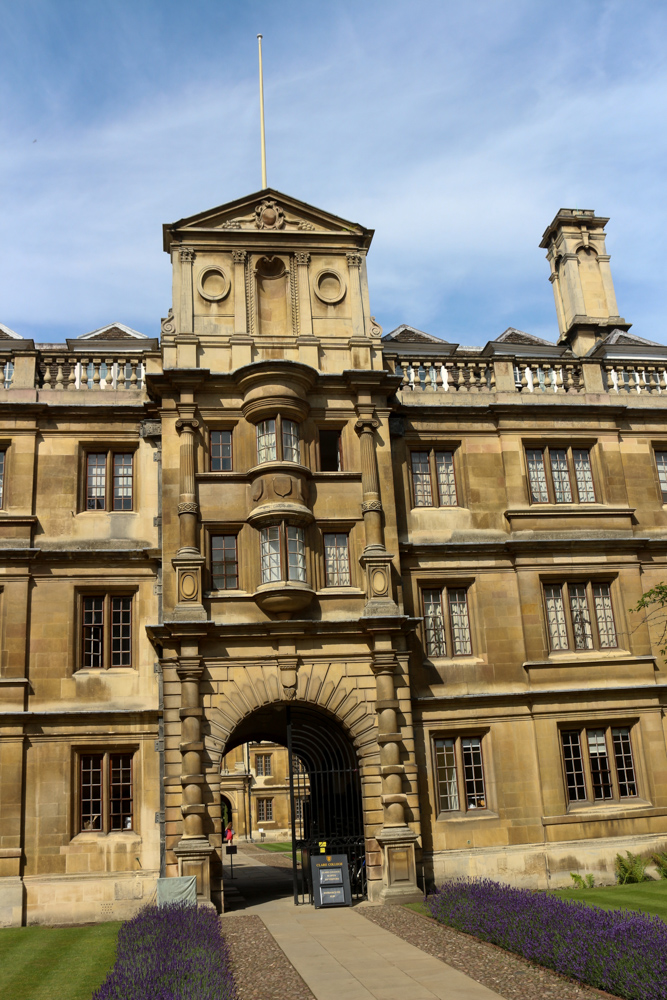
point(323, 846)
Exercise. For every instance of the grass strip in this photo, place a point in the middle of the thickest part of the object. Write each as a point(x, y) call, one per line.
point(55, 963)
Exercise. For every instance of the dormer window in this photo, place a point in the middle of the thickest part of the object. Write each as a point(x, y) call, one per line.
point(278, 440)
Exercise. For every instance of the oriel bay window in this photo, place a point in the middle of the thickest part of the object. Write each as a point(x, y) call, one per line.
point(580, 615)
point(106, 631)
point(447, 622)
point(459, 774)
point(109, 480)
point(560, 475)
point(283, 553)
point(105, 791)
point(433, 478)
point(278, 440)
point(598, 764)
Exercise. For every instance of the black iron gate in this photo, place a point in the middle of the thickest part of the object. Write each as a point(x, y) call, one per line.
point(325, 799)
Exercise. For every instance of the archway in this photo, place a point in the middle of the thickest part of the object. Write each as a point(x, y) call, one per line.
point(226, 811)
point(324, 787)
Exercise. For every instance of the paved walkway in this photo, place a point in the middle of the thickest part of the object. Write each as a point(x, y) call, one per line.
point(343, 956)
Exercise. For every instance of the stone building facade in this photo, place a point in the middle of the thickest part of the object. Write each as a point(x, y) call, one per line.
point(277, 521)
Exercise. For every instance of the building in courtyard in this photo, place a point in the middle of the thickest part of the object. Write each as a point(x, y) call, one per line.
point(404, 565)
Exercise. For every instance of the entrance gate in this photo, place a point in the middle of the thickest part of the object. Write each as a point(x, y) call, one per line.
point(324, 788)
point(325, 799)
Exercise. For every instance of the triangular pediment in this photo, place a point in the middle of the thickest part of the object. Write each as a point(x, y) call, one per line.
point(267, 211)
point(114, 331)
point(405, 334)
point(7, 334)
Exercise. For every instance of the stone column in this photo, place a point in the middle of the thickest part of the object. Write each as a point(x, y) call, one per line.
point(375, 559)
point(371, 506)
point(303, 289)
point(240, 314)
point(185, 317)
point(354, 261)
point(395, 838)
point(193, 850)
point(188, 561)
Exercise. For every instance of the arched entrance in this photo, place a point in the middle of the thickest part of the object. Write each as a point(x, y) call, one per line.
point(226, 811)
point(324, 783)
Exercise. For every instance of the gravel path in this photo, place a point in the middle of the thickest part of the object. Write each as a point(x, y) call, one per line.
point(509, 975)
point(261, 968)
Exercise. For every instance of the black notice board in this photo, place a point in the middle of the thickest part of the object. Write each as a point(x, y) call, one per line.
point(331, 880)
point(230, 849)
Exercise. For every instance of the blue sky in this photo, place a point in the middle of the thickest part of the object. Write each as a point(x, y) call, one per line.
point(455, 130)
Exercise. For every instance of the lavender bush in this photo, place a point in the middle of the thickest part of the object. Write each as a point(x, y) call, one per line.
point(621, 951)
point(175, 952)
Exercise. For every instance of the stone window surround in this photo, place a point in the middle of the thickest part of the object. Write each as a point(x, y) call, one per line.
point(569, 446)
point(615, 801)
point(660, 449)
point(108, 447)
point(450, 447)
point(457, 583)
point(563, 581)
point(105, 751)
point(484, 734)
point(118, 590)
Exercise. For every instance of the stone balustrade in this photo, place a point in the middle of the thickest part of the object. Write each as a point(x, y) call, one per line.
point(90, 374)
point(635, 377)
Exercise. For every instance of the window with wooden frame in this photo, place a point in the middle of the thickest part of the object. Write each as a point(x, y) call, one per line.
point(580, 615)
point(661, 465)
point(336, 559)
point(599, 764)
point(264, 810)
point(3, 455)
point(278, 440)
point(221, 451)
point(446, 622)
point(106, 631)
point(433, 478)
point(105, 791)
point(560, 475)
point(283, 553)
point(263, 765)
point(109, 480)
point(224, 562)
point(459, 773)
point(330, 450)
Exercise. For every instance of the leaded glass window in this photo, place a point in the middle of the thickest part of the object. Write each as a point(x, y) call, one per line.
point(421, 479)
point(553, 596)
point(266, 441)
point(122, 482)
point(296, 554)
point(625, 768)
point(444, 463)
point(221, 451)
point(581, 619)
point(445, 765)
point(574, 766)
point(473, 773)
point(583, 475)
point(560, 475)
point(434, 625)
point(600, 772)
point(291, 451)
point(96, 480)
point(536, 476)
point(336, 559)
point(604, 615)
point(447, 622)
point(661, 462)
point(270, 554)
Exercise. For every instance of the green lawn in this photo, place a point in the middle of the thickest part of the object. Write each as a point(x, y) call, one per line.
point(651, 897)
point(55, 963)
point(279, 847)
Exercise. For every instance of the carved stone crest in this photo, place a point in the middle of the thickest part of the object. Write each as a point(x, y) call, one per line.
point(282, 485)
point(269, 215)
point(257, 490)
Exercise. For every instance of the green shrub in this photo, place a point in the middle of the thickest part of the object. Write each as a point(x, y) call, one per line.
point(660, 862)
point(631, 868)
point(585, 882)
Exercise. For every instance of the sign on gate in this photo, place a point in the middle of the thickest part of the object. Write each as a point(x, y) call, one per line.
point(331, 880)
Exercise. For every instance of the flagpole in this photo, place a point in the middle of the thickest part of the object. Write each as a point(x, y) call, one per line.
point(261, 112)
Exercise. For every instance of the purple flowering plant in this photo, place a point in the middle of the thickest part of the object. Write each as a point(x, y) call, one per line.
point(621, 951)
point(174, 952)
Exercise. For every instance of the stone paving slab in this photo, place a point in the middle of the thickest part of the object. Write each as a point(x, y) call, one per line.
point(342, 956)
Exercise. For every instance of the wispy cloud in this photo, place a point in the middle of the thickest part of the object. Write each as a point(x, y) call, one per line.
point(456, 132)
